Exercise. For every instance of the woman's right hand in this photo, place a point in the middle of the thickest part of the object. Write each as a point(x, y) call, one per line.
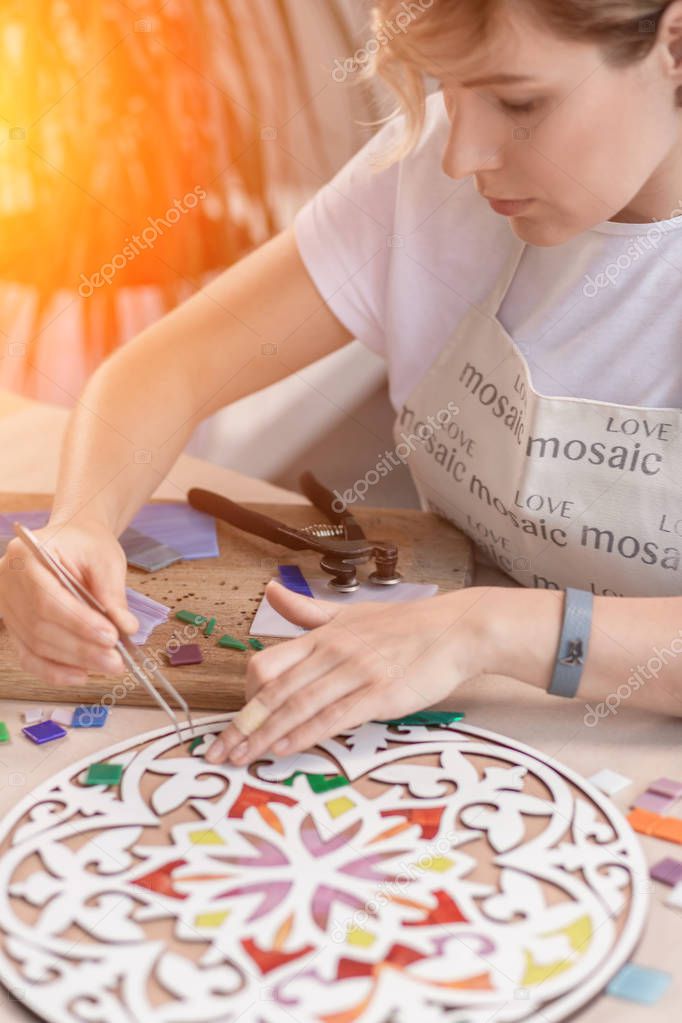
point(59, 638)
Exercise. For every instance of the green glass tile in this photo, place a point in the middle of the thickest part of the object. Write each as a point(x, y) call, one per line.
point(433, 717)
point(321, 783)
point(290, 779)
point(190, 617)
point(104, 774)
point(232, 643)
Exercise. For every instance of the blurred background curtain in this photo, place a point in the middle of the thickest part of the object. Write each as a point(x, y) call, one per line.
point(146, 147)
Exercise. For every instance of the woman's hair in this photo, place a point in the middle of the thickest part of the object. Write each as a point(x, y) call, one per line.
point(408, 34)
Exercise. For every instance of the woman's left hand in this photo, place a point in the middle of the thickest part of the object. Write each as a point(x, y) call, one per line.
point(358, 663)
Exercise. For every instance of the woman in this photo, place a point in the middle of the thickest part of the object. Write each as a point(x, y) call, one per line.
point(533, 212)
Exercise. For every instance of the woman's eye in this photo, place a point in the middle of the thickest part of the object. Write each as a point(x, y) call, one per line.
point(521, 108)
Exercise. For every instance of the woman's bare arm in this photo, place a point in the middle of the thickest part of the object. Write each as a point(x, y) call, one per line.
point(259, 321)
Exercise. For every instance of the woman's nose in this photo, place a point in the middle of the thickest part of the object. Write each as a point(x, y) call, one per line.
point(474, 143)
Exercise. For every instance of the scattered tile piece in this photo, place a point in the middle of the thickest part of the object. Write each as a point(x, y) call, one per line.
point(34, 715)
point(104, 774)
point(206, 836)
point(292, 577)
point(652, 801)
point(427, 717)
point(199, 747)
point(609, 781)
point(232, 643)
point(319, 782)
point(188, 654)
point(44, 731)
point(359, 936)
point(63, 716)
point(256, 644)
point(666, 787)
point(211, 919)
point(668, 871)
point(210, 626)
point(190, 617)
point(290, 779)
point(4, 732)
point(643, 821)
point(669, 828)
point(322, 783)
point(90, 717)
point(640, 984)
point(339, 806)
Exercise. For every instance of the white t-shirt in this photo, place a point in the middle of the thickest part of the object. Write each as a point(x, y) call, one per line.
point(398, 255)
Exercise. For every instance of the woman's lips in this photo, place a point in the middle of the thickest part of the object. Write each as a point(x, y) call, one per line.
point(509, 207)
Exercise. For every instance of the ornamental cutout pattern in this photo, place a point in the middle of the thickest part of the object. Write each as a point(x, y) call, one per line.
point(391, 870)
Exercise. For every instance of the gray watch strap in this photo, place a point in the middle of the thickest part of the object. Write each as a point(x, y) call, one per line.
point(573, 644)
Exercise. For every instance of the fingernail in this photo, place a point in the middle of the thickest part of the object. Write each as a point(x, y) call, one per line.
point(106, 637)
point(216, 751)
point(239, 752)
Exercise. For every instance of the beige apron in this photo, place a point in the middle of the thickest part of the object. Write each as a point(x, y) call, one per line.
point(557, 491)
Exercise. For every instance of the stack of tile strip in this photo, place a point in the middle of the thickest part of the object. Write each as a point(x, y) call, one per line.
point(189, 533)
point(148, 612)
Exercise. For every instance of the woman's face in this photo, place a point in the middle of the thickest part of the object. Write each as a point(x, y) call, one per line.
point(582, 140)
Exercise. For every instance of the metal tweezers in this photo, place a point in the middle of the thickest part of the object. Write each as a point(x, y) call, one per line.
point(128, 651)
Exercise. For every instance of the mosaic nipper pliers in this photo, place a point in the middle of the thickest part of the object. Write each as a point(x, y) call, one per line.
point(341, 541)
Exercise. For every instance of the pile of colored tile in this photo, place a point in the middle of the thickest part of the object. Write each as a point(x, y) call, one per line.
point(190, 653)
point(41, 728)
point(647, 818)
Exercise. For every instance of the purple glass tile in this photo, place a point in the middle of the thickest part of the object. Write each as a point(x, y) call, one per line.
point(90, 717)
point(186, 530)
point(30, 519)
point(174, 523)
point(148, 612)
point(188, 654)
point(666, 787)
point(653, 802)
point(143, 551)
point(44, 731)
point(668, 871)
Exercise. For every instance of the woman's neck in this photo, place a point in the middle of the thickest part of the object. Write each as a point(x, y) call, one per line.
point(661, 196)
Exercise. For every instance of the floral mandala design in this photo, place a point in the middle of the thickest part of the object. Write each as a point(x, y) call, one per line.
point(390, 870)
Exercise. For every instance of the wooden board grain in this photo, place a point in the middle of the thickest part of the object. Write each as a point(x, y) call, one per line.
point(230, 587)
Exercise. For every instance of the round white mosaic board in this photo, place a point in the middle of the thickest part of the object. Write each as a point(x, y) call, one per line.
point(447, 871)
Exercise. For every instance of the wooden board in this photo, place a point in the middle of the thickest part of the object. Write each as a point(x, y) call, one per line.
point(230, 587)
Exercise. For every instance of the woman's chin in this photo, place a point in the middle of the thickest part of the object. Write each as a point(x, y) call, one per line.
point(541, 232)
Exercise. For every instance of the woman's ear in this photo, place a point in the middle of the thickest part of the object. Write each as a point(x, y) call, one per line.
point(670, 31)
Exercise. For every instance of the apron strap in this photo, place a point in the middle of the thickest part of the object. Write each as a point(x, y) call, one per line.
point(507, 274)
